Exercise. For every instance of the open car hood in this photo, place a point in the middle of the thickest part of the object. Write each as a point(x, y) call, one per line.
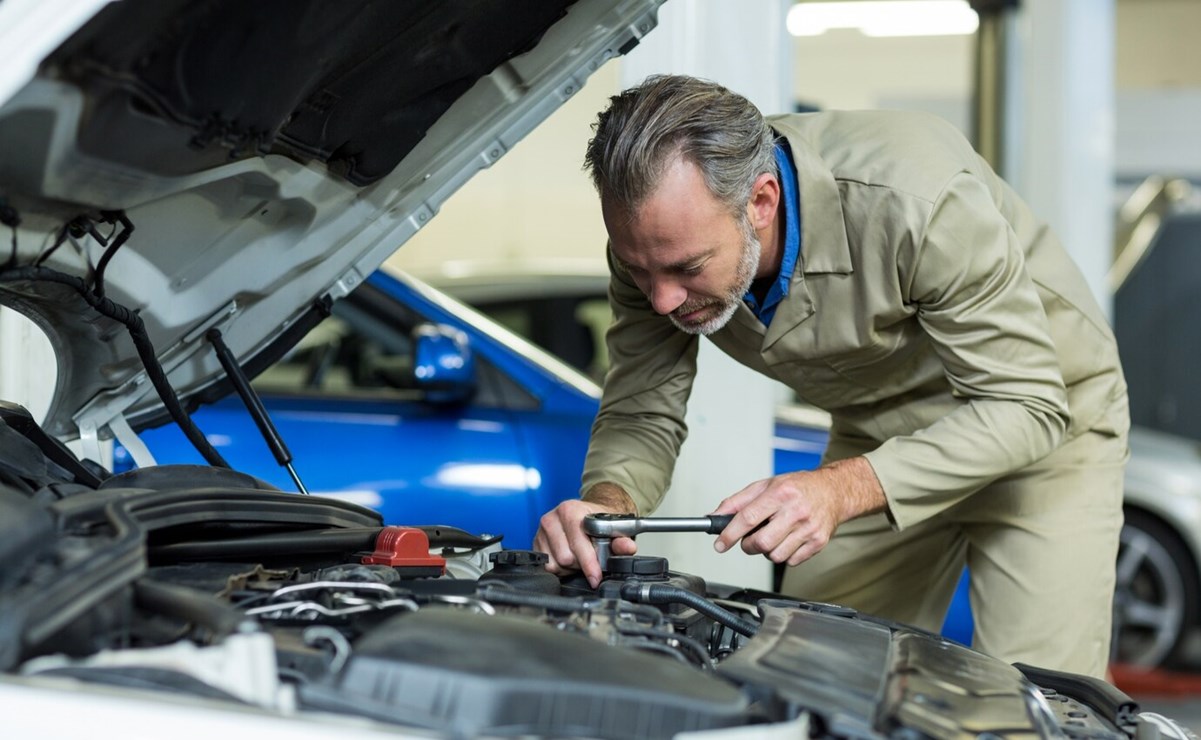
point(268, 157)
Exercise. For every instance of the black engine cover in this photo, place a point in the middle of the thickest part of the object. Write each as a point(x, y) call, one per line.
point(468, 674)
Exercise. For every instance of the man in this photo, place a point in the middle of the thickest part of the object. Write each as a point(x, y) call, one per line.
point(873, 262)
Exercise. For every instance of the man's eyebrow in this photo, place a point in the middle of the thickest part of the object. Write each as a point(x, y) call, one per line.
point(677, 266)
point(689, 262)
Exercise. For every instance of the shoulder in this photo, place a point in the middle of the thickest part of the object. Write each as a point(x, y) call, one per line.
point(909, 151)
point(837, 129)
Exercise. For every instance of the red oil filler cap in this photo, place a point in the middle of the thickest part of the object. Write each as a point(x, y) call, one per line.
point(407, 549)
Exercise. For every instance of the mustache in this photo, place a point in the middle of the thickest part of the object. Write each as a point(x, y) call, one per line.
point(691, 306)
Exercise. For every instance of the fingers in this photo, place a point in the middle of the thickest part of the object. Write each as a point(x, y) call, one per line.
point(772, 534)
point(781, 544)
point(786, 518)
point(552, 540)
point(584, 552)
point(561, 536)
point(555, 536)
point(733, 504)
point(746, 518)
point(798, 546)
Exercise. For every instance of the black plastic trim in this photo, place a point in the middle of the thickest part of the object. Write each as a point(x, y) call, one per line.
point(1108, 701)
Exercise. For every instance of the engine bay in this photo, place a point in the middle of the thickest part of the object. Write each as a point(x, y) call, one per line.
point(193, 581)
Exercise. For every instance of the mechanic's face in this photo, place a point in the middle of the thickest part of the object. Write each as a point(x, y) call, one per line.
point(683, 248)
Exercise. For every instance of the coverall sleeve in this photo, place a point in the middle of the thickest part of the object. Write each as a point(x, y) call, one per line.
point(640, 426)
point(974, 298)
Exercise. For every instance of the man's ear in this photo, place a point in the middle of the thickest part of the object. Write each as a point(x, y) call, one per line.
point(765, 199)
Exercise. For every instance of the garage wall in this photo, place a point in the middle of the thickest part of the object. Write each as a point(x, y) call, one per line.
point(1158, 76)
point(846, 70)
point(535, 202)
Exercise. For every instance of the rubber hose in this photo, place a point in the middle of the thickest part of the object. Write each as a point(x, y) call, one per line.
point(190, 605)
point(660, 593)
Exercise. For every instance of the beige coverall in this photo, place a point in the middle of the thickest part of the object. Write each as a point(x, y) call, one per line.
point(958, 348)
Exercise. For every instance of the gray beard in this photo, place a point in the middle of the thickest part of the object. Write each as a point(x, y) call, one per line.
point(748, 265)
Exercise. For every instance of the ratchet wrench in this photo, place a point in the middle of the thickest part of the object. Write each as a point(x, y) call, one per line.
point(602, 528)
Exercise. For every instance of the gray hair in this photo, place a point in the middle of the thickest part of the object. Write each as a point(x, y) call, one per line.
point(646, 127)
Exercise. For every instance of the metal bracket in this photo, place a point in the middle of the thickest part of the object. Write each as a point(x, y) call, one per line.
point(131, 441)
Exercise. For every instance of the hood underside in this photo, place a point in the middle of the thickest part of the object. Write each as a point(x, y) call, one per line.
point(354, 85)
point(237, 166)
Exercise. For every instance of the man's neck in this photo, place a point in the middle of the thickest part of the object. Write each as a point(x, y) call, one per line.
point(761, 286)
point(771, 254)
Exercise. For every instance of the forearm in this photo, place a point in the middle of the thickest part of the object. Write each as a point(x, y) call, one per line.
point(931, 470)
point(635, 457)
point(640, 427)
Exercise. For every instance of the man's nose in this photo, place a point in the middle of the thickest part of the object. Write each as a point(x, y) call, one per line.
point(667, 295)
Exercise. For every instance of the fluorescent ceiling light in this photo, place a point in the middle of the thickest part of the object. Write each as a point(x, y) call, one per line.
point(885, 17)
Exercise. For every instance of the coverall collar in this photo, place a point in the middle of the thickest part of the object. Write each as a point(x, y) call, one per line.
point(823, 235)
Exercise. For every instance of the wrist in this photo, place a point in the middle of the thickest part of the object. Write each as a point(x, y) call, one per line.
point(612, 497)
point(861, 491)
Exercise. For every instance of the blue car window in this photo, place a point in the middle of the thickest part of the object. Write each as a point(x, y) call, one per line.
point(349, 353)
point(571, 327)
point(498, 390)
point(365, 350)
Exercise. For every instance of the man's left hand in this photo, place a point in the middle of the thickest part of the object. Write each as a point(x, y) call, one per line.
point(799, 511)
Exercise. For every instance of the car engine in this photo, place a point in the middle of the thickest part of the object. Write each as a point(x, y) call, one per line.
point(200, 582)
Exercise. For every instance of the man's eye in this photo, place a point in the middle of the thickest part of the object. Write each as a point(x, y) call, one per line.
point(694, 270)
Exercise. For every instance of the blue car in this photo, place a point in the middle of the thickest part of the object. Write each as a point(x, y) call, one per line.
point(495, 446)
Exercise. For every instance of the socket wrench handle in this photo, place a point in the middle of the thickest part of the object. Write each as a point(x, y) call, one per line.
point(602, 528)
point(718, 523)
point(624, 525)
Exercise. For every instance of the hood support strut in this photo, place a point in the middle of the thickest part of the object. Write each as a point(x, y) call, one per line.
point(254, 405)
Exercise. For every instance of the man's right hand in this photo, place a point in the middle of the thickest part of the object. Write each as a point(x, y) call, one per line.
point(561, 532)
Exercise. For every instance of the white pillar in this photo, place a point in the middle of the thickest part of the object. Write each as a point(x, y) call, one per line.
point(28, 373)
point(27, 367)
point(743, 45)
point(1063, 134)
